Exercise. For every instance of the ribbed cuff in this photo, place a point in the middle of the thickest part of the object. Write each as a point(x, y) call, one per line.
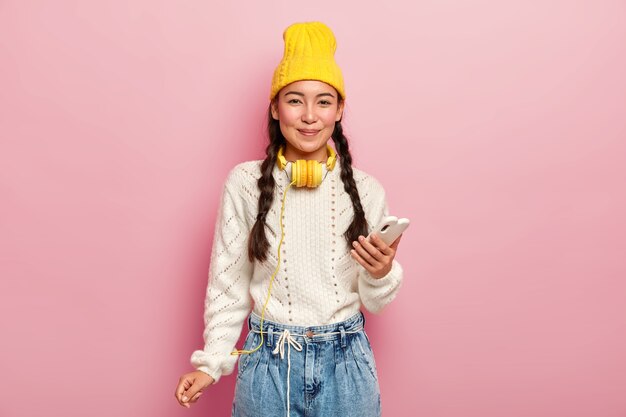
point(379, 282)
point(213, 374)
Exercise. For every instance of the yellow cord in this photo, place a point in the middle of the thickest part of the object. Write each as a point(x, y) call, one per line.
point(269, 290)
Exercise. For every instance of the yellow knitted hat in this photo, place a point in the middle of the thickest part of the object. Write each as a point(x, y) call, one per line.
point(309, 55)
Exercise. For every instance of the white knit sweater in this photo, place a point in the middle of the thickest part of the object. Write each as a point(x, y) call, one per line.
point(318, 281)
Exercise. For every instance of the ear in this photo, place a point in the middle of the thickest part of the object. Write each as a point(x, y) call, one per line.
point(274, 107)
point(340, 108)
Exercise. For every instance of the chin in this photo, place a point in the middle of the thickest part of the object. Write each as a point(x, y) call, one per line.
point(310, 147)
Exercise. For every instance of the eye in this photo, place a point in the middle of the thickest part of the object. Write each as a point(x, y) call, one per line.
point(325, 103)
point(293, 101)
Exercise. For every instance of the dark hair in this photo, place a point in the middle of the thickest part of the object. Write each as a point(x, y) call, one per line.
point(258, 244)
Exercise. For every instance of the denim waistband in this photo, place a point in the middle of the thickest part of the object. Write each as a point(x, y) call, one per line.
point(326, 332)
point(279, 334)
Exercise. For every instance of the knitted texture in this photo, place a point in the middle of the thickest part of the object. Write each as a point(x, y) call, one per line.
point(318, 281)
point(309, 55)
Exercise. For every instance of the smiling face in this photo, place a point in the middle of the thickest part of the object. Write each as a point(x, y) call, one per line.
point(307, 111)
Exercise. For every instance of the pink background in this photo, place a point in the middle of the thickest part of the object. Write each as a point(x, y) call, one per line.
point(499, 128)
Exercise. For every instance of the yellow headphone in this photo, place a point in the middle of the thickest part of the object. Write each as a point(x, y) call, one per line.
point(307, 172)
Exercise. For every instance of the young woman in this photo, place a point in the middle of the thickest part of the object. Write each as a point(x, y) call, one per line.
point(290, 257)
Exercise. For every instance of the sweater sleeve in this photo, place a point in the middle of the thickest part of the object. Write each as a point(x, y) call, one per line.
point(376, 293)
point(227, 300)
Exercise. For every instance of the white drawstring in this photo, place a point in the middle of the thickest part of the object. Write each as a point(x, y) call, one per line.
point(280, 348)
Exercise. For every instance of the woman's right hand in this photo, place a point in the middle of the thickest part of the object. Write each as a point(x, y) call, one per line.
point(190, 387)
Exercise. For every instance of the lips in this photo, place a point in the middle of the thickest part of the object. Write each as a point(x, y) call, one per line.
point(308, 132)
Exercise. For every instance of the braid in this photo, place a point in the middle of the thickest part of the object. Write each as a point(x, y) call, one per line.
point(258, 244)
point(359, 224)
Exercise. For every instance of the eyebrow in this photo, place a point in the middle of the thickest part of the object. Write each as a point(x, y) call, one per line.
point(302, 95)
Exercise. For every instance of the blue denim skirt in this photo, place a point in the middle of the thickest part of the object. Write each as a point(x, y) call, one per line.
point(310, 371)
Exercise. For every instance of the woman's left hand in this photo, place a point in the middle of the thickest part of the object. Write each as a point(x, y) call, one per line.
point(375, 255)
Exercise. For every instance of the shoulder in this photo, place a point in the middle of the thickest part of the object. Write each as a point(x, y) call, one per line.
point(240, 188)
point(367, 184)
point(373, 196)
point(240, 184)
point(244, 173)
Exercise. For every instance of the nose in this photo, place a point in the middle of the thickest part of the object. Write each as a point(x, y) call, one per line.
point(309, 115)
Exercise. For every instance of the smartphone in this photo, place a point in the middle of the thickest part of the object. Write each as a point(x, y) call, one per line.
point(390, 228)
